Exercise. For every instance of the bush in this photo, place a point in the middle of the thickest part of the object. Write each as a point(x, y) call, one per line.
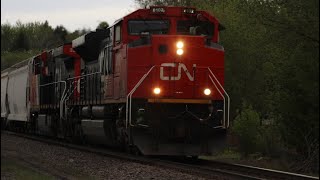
point(269, 141)
point(246, 127)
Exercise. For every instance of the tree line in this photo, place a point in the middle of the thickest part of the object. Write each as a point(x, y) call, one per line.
point(21, 41)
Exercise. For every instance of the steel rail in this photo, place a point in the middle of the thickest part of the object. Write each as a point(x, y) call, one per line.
point(258, 171)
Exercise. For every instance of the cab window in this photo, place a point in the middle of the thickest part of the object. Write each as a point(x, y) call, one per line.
point(136, 27)
point(189, 27)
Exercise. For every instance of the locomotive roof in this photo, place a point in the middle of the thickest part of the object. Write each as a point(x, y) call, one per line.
point(173, 11)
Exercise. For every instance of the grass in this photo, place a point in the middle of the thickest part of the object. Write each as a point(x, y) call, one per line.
point(227, 154)
point(13, 170)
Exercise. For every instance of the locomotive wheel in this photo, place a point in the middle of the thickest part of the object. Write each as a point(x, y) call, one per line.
point(194, 158)
point(132, 149)
point(77, 136)
point(122, 137)
point(3, 123)
point(9, 126)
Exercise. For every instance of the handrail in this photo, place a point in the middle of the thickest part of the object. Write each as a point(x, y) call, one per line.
point(84, 75)
point(224, 101)
point(52, 83)
point(65, 98)
point(78, 78)
point(224, 93)
point(129, 96)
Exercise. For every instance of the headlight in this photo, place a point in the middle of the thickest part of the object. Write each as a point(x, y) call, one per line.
point(207, 92)
point(180, 52)
point(179, 48)
point(157, 90)
point(180, 44)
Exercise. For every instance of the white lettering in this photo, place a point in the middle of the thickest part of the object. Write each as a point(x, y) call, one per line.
point(178, 77)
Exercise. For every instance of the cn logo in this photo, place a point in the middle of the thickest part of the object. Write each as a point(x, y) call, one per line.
point(178, 77)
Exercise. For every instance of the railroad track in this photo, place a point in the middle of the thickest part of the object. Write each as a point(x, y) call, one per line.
point(205, 168)
point(256, 172)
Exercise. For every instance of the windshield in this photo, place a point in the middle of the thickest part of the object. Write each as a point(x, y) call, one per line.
point(136, 27)
point(188, 27)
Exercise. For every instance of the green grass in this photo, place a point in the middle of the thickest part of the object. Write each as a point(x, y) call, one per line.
point(17, 171)
point(227, 154)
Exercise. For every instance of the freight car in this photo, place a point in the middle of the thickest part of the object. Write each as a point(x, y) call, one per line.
point(150, 83)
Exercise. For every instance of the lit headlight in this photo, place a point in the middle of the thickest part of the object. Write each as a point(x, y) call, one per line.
point(180, 52)
point(207, 92)
point(156, 90)
point(180, 45)
point(179, 48)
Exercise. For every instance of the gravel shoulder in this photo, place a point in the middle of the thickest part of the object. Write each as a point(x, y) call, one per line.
point(12, 168)
point(55, 162)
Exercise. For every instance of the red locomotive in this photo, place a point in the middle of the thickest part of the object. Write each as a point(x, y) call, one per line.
point(152, 82)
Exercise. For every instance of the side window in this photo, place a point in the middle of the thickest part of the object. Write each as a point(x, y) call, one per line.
point(117, 33)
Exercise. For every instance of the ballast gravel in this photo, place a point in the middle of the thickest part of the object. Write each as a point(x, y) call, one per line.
point(64, 163)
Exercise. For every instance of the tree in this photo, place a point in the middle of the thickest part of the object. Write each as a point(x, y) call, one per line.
point(21, 43)
point(103, 25)
point(272, 62)
point(246, 127)
point(61, 32)
point(7, 37)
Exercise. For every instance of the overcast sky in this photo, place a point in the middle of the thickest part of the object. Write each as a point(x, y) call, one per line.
point(72, 14)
